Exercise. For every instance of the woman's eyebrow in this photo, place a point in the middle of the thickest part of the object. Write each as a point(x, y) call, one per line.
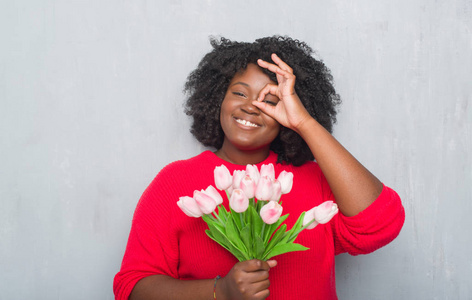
point(240, 82)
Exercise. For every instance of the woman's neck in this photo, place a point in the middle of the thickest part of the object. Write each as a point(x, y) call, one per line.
point(242, 157)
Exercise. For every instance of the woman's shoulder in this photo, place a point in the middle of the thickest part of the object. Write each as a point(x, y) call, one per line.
point(189, 164)
point(187, 169)
point(181, 177)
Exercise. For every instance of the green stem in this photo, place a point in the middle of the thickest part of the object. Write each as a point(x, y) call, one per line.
point(210, 216)
point(262, 231)
point(301, 229)
point(219, 219)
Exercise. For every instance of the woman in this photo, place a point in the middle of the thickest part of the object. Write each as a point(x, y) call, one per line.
point(257, 103)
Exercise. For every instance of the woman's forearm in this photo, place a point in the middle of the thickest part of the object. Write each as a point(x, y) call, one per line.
point(157, 287)
point(354, 187)
point(246, 280)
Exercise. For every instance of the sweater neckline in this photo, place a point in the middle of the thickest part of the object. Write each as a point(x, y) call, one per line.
point(271, 159)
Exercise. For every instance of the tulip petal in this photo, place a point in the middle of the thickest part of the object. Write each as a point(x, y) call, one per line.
point(325, 211)
point(271, 212)
point(264, 189)
point(239, 201)
point(237, 177)
point(253, 172)
point(223, 179)
point(248, 186)
point(206, 203)
point(276, 191)
point(286, 181)
point(189, 207)
point(212, 192)
point(310, 216)
point(268, 170)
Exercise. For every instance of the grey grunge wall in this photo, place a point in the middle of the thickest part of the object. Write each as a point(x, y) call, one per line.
point(91, 109)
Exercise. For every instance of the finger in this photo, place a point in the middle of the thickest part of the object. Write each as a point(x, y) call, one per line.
point(260, 285)
point(262, 294)
point(254, 265)
point(272, 263)
point(278, 63)
point(265, 108)
point(256, 276)
point(268, 89)
point(273, 68)
point(261, 289)
point(283, 65)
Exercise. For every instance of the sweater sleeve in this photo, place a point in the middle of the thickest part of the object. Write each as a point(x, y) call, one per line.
point(371, 229)
point(152, 248)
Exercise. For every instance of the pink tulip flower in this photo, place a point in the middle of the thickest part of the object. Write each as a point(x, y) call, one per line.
point(271, 212)
point(268, 170)
point(212, 192)
point(248, 186)
point(310, 215)
point(325, 212)
point(237, 177)
point(264, 189)
point(189, 207)
point(286, 180)
point(238, 201)
point(206, 203)
point(223, 179)
point(276, 191)
point(321, 214)
point(253, 172)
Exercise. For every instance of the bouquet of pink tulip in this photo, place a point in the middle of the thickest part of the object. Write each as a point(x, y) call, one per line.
point(253, 227)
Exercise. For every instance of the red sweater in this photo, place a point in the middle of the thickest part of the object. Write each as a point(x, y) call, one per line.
point(163, 240)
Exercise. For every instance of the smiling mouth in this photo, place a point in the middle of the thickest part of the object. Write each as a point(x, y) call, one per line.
point(246, 123)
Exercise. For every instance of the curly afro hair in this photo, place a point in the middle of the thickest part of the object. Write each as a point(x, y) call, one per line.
point(206, 88)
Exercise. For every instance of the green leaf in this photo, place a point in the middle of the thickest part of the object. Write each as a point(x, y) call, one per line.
point(210, 220)
point(222, 212)
point(220, 236)
point(296, 227)
point(273, 227)
point(232, 233)
point(280, 220)
point(259, 247)
point(236, 219)
point(208, 232)
point(247, 216)
point(259, 205)
point(256, 222)
point(284, 248)
point(246, 238)
point(218, 232)
point(278, 235)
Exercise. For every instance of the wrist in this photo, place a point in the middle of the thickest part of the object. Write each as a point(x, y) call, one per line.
point(306, 125)
point(220, 289)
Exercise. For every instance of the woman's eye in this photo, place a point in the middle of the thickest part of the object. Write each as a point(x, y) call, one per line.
point(270, 102)
point(239, 94)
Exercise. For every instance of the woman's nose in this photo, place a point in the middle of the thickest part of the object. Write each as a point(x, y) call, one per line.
point(249, 108)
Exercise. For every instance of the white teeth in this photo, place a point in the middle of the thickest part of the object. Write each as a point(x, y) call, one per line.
point(246, 123)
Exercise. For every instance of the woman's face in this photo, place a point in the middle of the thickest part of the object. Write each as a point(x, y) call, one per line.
point(245, 126)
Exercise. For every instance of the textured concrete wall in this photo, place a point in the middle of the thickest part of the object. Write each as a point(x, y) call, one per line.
point(91, 110)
